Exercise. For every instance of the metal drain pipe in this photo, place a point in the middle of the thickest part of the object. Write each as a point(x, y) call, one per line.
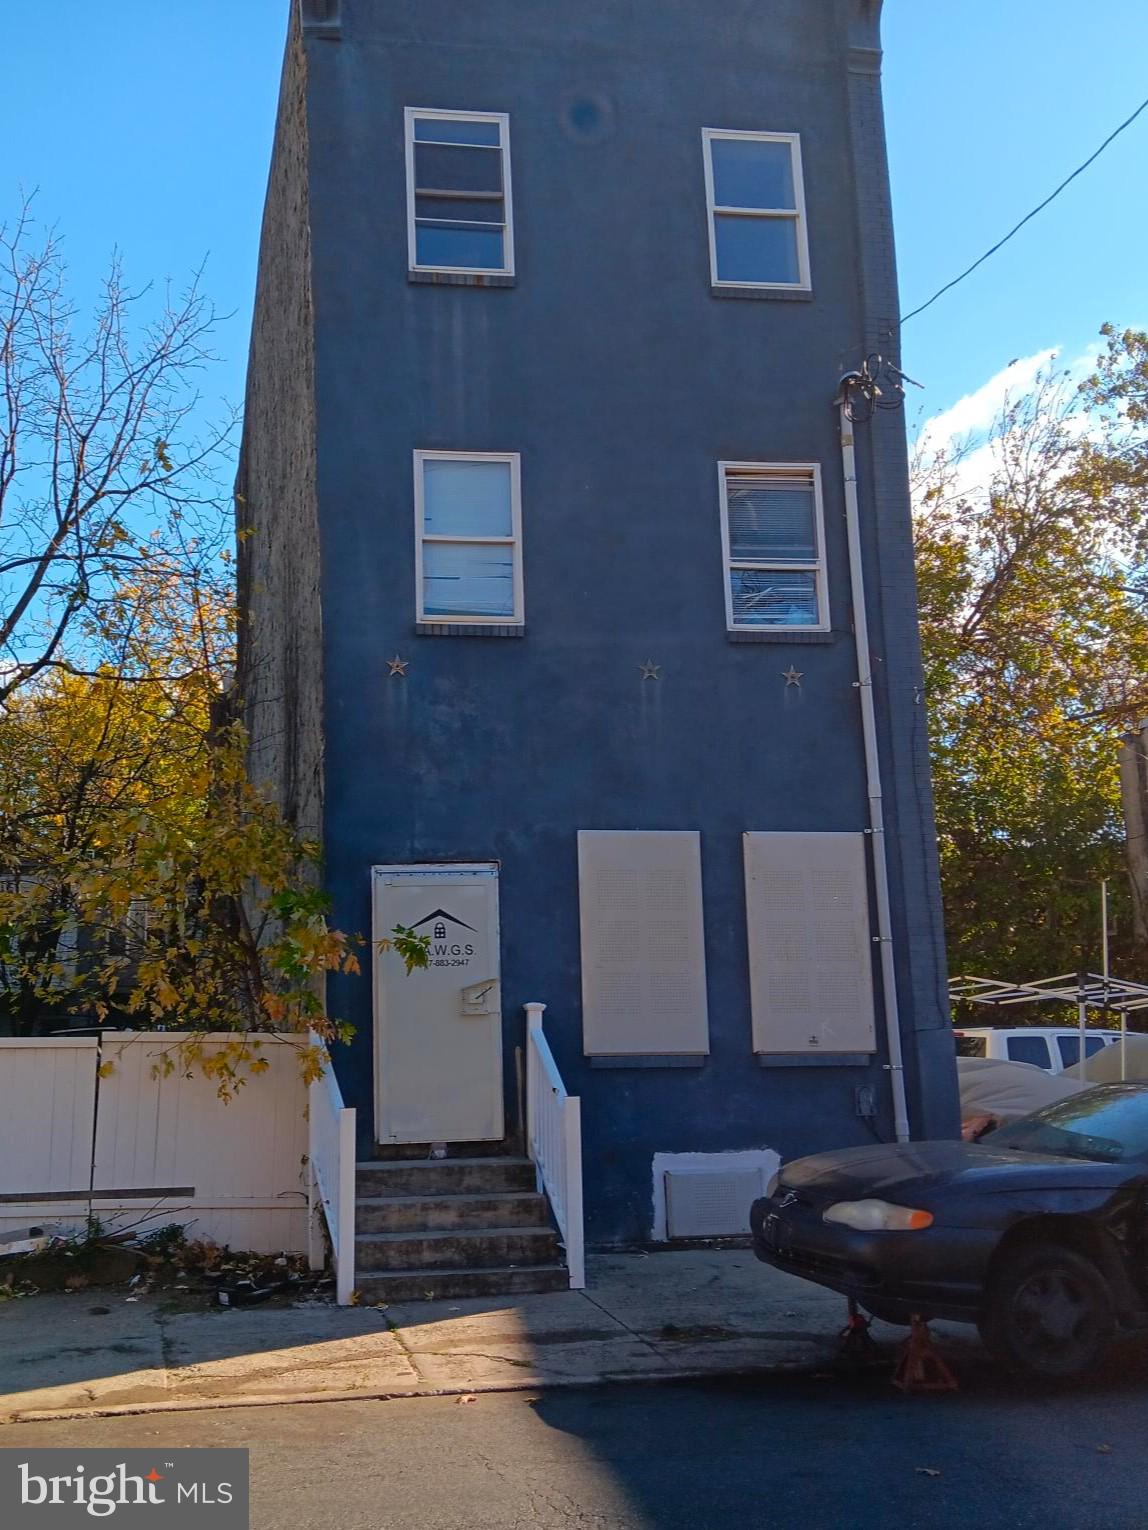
point(864, 684)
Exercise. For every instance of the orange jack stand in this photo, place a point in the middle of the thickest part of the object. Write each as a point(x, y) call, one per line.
point(921, 1368)
point(855, 1342)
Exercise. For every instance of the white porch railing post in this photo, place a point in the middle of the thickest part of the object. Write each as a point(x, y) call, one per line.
point(345, 1263)
point(534, 1013)
point(575, 1233)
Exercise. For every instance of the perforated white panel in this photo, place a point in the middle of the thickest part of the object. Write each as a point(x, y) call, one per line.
point(710, 1203)
point(810, 951)
point(643, 954)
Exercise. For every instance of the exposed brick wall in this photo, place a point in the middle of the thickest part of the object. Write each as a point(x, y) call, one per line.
point(280, 635)
point(918, 932)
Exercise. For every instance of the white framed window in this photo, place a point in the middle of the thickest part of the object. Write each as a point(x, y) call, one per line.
point(468, 537)
point(459, 209)
point(756, 203)
point(773, 542)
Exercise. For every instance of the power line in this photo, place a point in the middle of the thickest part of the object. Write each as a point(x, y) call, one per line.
point(1028, 216)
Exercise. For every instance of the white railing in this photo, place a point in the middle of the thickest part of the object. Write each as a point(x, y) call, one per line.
point(554, 1141)
point(331, 1133)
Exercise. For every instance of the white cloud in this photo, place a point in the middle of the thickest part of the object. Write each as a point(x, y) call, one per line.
point(972, 415)
point(962, 431)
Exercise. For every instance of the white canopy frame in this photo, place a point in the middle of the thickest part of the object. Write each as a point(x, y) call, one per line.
point(1086, 990)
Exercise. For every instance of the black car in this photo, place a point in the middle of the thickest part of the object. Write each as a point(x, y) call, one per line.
point(1038, 1234)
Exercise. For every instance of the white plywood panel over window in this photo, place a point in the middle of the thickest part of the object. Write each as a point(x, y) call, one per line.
point(643, 950)
point(810, 948)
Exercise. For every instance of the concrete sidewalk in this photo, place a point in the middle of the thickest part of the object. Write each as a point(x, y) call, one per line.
point(641, 1317)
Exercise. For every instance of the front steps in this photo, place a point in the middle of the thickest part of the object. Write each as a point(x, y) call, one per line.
point(428, 1228)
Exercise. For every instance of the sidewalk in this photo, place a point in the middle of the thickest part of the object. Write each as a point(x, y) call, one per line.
point(642, 1316)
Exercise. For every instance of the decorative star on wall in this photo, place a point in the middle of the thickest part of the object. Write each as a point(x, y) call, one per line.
point(397, 667)
point(650, 670)
point(792, 676)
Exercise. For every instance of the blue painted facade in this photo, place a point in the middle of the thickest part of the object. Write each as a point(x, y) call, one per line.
point(622, 379)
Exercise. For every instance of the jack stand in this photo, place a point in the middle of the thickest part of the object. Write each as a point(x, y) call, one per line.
point(921, 1368)
point(855, 1342)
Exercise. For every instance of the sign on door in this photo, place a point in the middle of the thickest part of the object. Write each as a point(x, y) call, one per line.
point(438, 1031)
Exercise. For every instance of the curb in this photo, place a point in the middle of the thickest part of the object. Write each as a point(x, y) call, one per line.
point(405, 1394)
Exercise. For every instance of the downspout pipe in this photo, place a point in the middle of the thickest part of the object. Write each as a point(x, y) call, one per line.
point(864, 686)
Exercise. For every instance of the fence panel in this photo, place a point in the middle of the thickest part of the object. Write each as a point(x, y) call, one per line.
point(47, 1089)
point(244, 1160)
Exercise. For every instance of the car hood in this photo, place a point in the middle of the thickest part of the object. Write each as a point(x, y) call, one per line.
point(892, 1170)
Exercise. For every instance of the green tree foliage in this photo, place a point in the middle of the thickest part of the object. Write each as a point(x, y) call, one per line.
point(1032, 584)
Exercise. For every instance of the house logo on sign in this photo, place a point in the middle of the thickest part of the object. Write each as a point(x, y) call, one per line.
point(448, 947)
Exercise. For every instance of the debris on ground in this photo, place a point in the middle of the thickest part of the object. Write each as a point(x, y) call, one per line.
point(22, 1240)
point(164, 1259)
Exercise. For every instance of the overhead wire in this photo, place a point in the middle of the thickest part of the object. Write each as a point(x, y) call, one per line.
point(1127, 123)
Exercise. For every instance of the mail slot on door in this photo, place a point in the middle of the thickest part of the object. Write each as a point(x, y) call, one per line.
point(481, 998)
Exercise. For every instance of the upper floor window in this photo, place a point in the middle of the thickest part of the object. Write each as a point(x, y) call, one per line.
point(468, 537)
point(774, 544)
point(458, 192)
point(756, 207)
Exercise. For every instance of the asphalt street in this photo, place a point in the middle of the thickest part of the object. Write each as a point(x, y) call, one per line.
point(802, 1451)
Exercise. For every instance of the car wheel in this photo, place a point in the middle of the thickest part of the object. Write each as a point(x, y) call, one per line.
point(1048, 1313)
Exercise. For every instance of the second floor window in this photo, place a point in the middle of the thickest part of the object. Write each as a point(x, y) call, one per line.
point(468, 538)
point(756, 208)
point(774, 543)
point(459, 214)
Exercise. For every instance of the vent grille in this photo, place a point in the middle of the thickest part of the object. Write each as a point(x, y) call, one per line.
point(711, 1203)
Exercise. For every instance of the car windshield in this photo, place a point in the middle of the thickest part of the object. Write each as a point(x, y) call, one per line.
point(1108, 1125)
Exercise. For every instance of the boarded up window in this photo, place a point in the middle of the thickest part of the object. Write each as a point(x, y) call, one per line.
point(810, 951)
point(643, 952)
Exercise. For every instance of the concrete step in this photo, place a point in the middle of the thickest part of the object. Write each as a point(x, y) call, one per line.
point(432, 1284)
point(391, 1152)
point(437, 1213)
point(443, 1176)
point(457, 1249)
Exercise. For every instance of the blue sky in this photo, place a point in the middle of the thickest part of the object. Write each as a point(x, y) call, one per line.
point(152, 133)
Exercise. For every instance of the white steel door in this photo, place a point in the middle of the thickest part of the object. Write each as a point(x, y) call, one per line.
point(438, 1031)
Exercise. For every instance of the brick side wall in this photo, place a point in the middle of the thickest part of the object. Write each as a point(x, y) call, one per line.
point(911, 833)
point(280, 635)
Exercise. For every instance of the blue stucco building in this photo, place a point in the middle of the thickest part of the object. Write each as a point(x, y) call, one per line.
point(550, 598)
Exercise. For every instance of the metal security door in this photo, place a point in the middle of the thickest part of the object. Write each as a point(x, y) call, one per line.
point(438, 1032)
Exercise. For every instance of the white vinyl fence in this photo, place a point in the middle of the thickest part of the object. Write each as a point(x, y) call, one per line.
point(165, 1149)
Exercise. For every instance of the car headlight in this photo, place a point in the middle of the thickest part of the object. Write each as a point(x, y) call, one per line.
point(877, 1216)
point(771, 1188)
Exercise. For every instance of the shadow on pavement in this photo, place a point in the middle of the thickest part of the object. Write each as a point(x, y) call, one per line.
point(841, 1447)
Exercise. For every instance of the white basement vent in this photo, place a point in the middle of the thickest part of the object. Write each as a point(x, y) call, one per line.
point(711, 1202)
